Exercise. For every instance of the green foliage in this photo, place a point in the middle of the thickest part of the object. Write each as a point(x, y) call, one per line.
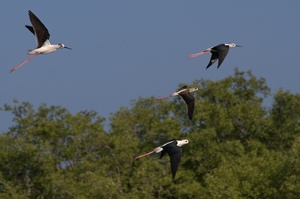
point(238, 147)
point(285, 116)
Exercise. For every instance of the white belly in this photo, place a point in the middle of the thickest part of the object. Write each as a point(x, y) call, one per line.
point(43, 50)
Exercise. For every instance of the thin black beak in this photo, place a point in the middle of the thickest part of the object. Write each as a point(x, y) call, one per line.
point(238, 46)
point(68, 48)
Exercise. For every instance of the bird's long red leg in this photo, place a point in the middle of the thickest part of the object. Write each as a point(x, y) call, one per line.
point(164, 97)
point(140, 156)
point(24, 62)
point(198, 54)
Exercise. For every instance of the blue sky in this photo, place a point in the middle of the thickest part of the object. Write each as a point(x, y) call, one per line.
point(126, 49)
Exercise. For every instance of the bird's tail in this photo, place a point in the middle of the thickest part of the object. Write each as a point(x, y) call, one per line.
point(31, 52)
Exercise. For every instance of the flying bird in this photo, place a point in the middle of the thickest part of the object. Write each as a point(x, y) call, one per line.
point(42, 37)
point(185, 94)
point(218, 52)
point(174, 151)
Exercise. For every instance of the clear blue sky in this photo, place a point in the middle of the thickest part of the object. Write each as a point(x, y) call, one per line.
point(126, 49)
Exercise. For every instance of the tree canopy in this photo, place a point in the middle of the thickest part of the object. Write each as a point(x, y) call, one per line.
point(239, 147)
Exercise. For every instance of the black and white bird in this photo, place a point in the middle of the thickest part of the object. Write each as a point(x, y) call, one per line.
point(185, 94)
point(173, 149)
point(42, 37)
point(218, 52)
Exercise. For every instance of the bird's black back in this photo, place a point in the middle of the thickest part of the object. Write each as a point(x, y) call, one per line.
point(172, 148)
point(182, 88)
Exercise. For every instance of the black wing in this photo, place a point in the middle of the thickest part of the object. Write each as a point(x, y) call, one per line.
point(190, 103)
point(162, 153)
point(213, 59)
point(40, 31)
point(222, 54)
point(175, 155)
point(30, 28)
point(175, 160)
